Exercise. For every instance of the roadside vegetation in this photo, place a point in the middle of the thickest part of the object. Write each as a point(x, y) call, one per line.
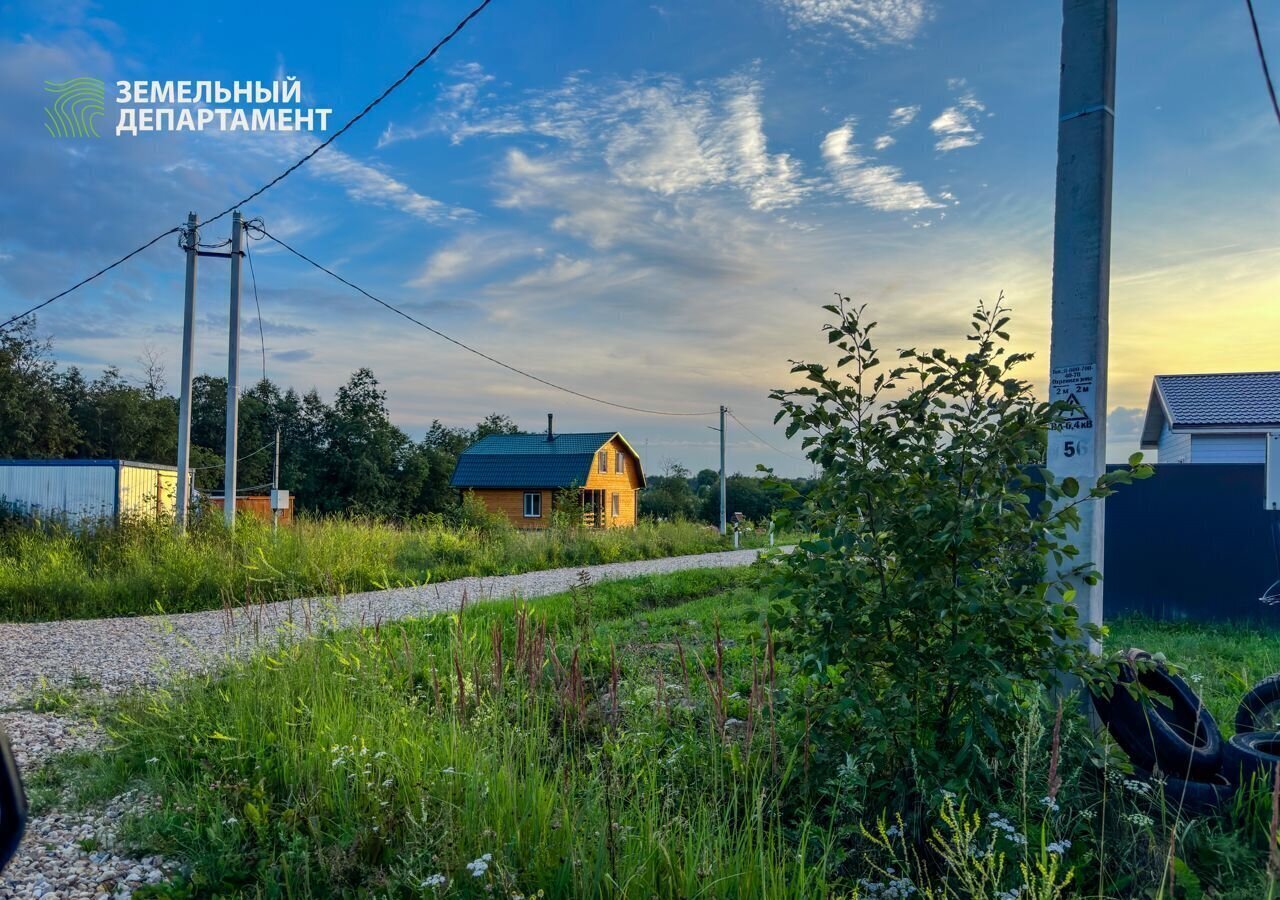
point(622, 739)
point(143, 568)
point(877, 714)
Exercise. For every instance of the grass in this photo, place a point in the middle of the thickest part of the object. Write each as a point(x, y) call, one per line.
point(617, 740)
point(502, 750)
point(1222, 661)
point(143, 568)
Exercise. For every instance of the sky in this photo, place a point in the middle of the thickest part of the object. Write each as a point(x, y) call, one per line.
point(646, 202)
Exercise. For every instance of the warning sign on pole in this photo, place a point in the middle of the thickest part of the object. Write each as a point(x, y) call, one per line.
point(1073, 385)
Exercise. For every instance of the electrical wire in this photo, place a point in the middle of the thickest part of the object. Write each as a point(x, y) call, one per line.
point(468, 348)
point(239, 459)
point(358, 116)
point(79, 284)
point(1262, 57)
point(273, 182)
point(262, 335)
point(762, 440)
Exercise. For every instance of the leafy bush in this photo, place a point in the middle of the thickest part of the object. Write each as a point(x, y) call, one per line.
point(919, 616)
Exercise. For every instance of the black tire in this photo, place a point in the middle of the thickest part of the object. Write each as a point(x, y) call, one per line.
point(1192, 797)
point(1250, 760)
point(1260, 708)
point(1182, 740)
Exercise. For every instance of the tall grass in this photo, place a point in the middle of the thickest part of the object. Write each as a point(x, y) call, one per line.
point(139, 568)
point(497, 752)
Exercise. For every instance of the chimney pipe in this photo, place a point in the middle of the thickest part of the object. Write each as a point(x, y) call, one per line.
point(551, 435)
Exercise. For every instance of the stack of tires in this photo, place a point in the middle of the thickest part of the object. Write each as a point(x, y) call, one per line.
point(1174, 734)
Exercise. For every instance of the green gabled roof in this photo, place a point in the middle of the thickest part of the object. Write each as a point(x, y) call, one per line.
point(532, 461)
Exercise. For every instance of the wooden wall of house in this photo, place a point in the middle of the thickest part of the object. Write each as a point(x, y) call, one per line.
point(625, 484)
point(510, 502)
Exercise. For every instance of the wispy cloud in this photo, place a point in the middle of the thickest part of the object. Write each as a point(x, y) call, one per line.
point(955, 126)
point(901, 117)
point(858, 178)
point(869, 22)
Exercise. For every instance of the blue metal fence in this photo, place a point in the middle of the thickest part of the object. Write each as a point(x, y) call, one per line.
point(1191, 543)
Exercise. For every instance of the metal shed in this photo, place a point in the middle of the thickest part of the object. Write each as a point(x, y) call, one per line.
point(86, 490)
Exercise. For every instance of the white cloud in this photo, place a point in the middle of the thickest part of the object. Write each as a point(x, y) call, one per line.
point(858, 178)
point(903, 116)
point(654, 134)
point(472, 253)
point(869, 22)
point(955, 125)
point(884, 142)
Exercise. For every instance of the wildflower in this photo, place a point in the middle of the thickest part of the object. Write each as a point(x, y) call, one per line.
point(1140, 819)
point(1059, 848)
point(893, 831)
point(230, 820)
point(153, 760)
point(477, 867)
point(1138, 787)
point(1011, 894)
point(1049, 803)
point(434, 881)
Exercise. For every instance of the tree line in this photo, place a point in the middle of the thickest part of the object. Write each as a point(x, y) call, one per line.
point(345, 456)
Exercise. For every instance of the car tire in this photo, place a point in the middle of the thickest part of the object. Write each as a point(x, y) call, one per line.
point(1251, 759)
point(1183, 740)
point(1259, 709)
point(1192, 797)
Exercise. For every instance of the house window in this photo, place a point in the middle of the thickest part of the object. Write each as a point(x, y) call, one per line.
point(533, 504)
point(603, 459)
point(619, 463)
point(617, 506)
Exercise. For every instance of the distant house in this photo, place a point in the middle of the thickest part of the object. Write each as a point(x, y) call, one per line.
point(88, 490)
point(1220, 418)
point(523, 475)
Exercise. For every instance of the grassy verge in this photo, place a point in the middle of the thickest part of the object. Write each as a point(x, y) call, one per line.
point(616, 741)
point(500, 752)
point(144, 568)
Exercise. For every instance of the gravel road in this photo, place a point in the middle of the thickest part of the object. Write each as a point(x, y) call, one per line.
point(115, 654)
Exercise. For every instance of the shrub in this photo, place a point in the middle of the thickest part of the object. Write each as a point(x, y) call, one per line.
point(919, 616)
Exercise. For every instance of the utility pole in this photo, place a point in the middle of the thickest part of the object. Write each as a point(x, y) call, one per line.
point(724, 489)
point(233, 374)
point(188, 352)
point(275, 485)
point(1082, 269)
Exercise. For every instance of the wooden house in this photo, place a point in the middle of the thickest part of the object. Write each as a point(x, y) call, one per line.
point(523, 476)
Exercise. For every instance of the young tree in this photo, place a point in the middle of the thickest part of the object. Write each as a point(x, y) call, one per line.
point(34, 418)
point(919, 614)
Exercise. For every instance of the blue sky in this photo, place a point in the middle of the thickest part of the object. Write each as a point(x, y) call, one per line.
point(645, 201)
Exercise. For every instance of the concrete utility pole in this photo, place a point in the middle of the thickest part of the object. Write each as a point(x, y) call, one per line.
point(724, 487)
point(1082, 266)
point(233, 374)
point(184, 401)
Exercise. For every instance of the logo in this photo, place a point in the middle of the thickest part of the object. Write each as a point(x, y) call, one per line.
point(77, 103)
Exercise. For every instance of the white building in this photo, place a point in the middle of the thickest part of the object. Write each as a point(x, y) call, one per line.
point(1219, 418)
point(88, 490)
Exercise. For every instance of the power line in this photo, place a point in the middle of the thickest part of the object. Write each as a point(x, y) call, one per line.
point(273, 182)
point(79, 284)
point(239, 459)
point(1262, 57)
point(262, 335)
point(358, 116)
point(763, 441)
point(438, 333)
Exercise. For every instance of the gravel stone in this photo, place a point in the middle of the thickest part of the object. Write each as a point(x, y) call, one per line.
point(116, 654)
point(71, 855)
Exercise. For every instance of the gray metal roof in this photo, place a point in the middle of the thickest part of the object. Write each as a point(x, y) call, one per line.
point(1225, 401)
point(532, 461)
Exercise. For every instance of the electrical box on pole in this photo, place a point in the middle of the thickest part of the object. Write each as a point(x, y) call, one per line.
point(190, 240)
point(1082, 270)
point(233, 374)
